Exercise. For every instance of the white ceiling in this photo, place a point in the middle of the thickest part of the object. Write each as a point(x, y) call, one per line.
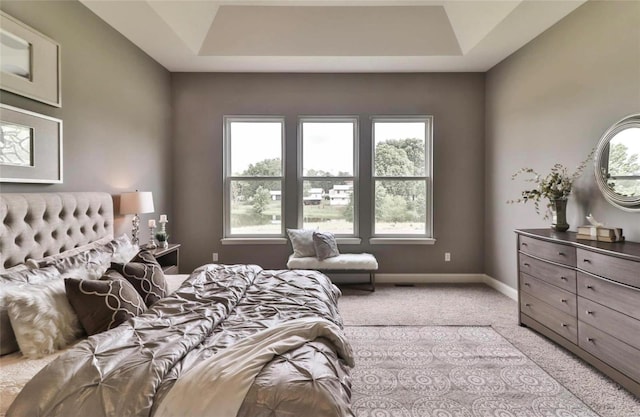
point(330, 35)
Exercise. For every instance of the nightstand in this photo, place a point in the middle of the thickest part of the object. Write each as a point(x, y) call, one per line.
point(168, 258)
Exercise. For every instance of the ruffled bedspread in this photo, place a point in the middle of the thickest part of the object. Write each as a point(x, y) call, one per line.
point(127, 371)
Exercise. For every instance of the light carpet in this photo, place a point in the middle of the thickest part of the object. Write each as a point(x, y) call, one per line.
point(477, 304)
point(461, 371)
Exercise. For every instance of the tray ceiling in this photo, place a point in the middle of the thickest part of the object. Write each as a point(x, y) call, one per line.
point(330, 35)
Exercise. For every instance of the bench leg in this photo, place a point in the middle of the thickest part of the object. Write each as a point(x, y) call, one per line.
point(372, 281)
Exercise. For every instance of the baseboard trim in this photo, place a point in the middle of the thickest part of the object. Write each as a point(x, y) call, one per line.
point(448, 279)
point(501, 287)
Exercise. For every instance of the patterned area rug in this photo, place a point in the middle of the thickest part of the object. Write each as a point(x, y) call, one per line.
point(451, 371)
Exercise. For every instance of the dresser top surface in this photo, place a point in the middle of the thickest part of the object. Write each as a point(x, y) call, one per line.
point(628, 250)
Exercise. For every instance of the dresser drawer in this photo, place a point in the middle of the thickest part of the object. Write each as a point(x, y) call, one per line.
point(557, 275)
point(610, 350)
point(562, 323)
point(554, 296)
point(617, 269)
point(616, 296)
point(610, 321)
point(555, 252)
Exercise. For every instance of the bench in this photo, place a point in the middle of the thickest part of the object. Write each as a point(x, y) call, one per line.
point(343, 263)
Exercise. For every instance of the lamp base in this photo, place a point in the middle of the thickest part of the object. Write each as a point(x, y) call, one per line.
point(135, 229)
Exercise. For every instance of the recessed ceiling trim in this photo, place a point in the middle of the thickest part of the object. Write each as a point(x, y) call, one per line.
point(484, 32)
point(331, 31)
point(189, 20)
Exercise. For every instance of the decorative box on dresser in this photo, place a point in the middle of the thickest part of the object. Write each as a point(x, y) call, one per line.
point(585, 296)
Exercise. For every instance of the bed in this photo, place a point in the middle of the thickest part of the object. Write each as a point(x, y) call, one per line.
point(225, 340)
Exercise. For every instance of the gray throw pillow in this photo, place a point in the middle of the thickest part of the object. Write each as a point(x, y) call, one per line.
point(105, 303)
point(325, 245)
point(302, 242)
point(146, 276)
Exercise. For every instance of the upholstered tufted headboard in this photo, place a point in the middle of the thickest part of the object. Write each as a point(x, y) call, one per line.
point(35, 225)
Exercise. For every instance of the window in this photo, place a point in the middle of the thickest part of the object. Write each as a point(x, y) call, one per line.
point(254, 176)
point(327, 172)
point(402, 170)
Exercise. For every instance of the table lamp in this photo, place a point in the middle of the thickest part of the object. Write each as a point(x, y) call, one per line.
point(135, 203)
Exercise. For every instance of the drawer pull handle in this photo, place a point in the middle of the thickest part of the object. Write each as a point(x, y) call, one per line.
point(589, 312)
point(590, 287)
point(590, 339)
point(526, 284)
point(526, 264)
point(561, 254)
point(563, 300)
point(524, 244)
point(563, 324)
point(563, 278)
point(587, 261)
point(527, 305)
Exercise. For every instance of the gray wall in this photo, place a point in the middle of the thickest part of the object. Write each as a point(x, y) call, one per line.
point(455, 100)
point(549, 103)
point(115, 106)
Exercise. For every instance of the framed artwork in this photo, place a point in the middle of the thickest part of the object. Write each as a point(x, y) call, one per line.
point(29, 62)
point(30, 147)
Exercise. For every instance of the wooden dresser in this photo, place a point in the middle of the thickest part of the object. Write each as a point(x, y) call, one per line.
point(584, 296)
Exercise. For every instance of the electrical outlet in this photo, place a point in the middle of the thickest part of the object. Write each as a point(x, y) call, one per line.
point(447, 256)
point(215, 256)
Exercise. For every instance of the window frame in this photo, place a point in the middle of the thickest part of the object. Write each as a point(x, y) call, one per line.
point(301, 178)
point(400, 238)
point(231, 238)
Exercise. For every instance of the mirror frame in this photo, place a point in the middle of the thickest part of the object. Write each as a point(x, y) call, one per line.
point(620, 201)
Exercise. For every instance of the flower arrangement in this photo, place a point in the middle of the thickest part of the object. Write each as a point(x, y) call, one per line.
point(554, 186)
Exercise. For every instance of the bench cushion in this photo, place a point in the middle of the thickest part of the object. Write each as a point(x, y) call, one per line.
point(345, 262)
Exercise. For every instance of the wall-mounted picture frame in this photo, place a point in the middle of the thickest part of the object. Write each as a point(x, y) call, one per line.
point(30, 147)
point(29, 62)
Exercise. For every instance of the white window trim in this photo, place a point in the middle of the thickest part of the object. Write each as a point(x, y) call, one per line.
point(427, 238)
point(253, 241)
point(228, 177)
point(340, 238)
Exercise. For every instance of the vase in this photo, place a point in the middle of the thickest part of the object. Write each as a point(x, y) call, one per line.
point(559, 215)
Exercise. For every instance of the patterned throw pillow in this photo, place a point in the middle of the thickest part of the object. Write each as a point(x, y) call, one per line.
point(146, 276)
point(302, 242)
point(105, 303)
point(325, 245)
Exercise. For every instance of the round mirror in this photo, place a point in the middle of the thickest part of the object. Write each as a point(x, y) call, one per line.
point(617, 163)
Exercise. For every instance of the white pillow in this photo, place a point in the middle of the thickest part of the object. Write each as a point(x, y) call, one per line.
point(123, 249)
point(41, 316)
point(302, 242)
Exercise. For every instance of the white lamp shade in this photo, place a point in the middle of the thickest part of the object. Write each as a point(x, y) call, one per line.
point(136, 202)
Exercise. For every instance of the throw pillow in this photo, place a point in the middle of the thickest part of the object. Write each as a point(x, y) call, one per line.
point(146, 276)
point(90, 264)
point(41, 317)
point(302, 242)
point(325, 245)
point(30, 276)
point(123, 249)
point(105, 303)
point(8, 342)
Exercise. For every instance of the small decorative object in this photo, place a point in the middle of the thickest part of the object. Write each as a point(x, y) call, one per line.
point(162, 235)
point(30, 147)
point(593, 222)
point(597, 231)
point(555, 187)
point(152, 234)
point(135, 203)
point(29, 62)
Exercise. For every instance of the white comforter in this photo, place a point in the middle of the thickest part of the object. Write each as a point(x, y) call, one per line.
point(227, 376)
